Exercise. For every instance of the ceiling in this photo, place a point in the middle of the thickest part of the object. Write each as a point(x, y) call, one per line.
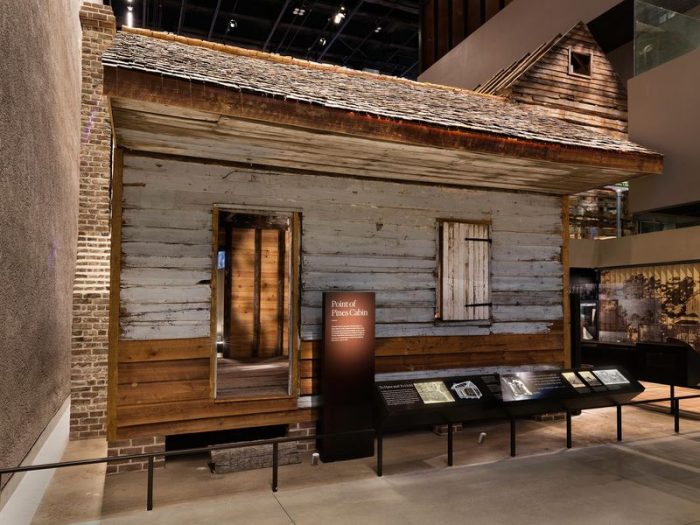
point(379, 35)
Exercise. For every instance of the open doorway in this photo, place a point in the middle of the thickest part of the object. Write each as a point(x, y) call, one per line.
point(253, 304)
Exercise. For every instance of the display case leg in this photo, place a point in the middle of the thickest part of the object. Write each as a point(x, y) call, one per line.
point(677, 416)
point(380, 440)
point(568, 429)
point(275, 450)
point(512, 437)
point(450, 436)
point(619, 422)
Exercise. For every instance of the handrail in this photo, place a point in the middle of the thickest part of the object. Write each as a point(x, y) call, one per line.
point(184, 452)
point(275, 442)
point(151, 455)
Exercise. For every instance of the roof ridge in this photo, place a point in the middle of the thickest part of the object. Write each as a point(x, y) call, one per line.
point(284, 59)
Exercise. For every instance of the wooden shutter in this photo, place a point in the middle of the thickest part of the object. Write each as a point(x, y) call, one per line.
point(465, 272)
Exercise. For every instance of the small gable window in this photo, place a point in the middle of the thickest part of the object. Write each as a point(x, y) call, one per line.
point(579, 63)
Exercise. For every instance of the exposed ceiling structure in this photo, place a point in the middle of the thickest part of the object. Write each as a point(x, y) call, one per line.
point(377, 35)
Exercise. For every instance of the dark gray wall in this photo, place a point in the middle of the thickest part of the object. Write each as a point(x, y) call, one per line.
point(664, 114)
point(39, 162)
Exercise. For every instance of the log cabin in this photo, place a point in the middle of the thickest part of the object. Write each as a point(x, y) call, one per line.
point(246, 184)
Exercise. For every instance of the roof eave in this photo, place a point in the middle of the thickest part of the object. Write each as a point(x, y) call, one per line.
point(160, 89)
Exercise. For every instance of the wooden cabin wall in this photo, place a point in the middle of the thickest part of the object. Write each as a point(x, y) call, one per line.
point(357, 234)
point(599, 101)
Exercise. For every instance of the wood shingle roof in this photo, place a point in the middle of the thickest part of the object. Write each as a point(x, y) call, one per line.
point(350, 91)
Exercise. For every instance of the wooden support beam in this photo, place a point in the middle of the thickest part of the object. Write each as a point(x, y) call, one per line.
point(281, 280)
point(257, 284)
point(566, 306)
point(114, 287)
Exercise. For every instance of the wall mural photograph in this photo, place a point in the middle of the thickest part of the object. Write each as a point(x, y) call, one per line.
point(651, 303)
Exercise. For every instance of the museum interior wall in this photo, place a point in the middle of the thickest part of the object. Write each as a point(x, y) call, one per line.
point(487, 52)
point(665, 115)
point(39, 143)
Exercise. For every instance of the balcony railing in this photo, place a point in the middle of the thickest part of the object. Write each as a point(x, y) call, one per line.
point(661, 34)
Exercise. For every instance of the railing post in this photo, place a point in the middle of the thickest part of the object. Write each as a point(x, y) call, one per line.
point(380, 439)
point(512, 437)
point(673, 398)
point(149, 496)
point(677, 416)
point(568, 429)
point(274, 466)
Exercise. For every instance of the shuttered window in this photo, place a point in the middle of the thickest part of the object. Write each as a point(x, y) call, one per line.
point(465, 266)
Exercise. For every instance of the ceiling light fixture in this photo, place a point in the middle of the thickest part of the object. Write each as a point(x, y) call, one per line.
point(377, 29)
point(322, 41)
point(232, 24)
point(339, 16)
point(130, 8)
point(299, 11)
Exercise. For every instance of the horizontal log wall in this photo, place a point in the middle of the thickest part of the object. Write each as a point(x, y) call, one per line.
point(163, 389)
point(357, 234)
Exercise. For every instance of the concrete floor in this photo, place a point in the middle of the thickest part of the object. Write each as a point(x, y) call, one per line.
point(653, 477)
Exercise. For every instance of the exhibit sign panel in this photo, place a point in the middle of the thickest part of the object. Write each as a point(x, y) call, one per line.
point(347, 374)
point(517, 393)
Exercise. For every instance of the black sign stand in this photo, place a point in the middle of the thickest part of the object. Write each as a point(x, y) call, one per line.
point(347, 374)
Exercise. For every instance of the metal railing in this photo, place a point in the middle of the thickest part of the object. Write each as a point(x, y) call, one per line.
point(275, 442)
point(149, 456)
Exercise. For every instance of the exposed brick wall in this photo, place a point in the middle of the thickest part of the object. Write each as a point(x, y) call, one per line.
point(303, 429)
point(91, 285)
point(135, 446)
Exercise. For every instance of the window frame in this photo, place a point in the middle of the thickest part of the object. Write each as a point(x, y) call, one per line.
point(573, 73)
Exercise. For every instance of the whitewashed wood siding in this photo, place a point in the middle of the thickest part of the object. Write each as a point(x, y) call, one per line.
point(357, 235)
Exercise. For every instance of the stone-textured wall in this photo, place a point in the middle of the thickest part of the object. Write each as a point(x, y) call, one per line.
point(39, 157)
point(91, 288)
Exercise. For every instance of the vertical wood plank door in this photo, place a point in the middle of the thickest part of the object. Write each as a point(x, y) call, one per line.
point(241, 332)
point(465, 271)
point(257, 308)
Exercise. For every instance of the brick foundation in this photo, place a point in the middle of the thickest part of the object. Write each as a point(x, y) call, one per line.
point(89, 342)
point(441, 430)
point(135, 446)
point(550, 416)
point(303, 429)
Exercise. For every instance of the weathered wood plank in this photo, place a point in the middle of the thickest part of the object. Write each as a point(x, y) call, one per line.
point(161, 371)
point(164, 349)
point(387, 242)
point(218, 423)
point(153, 413)
point(162, 391)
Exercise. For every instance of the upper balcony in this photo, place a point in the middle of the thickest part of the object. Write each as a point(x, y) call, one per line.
point(661, 33)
